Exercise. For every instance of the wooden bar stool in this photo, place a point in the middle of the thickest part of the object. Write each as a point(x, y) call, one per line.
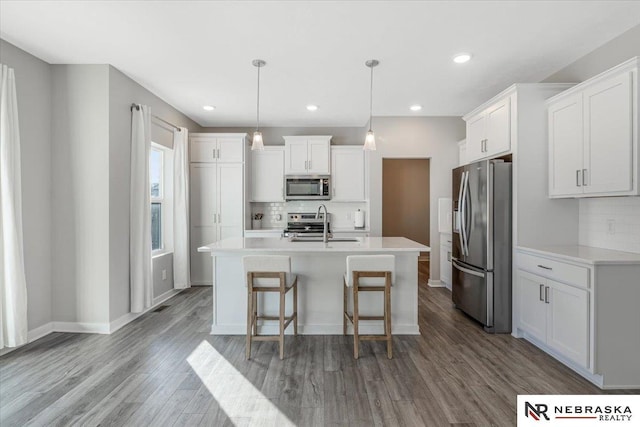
point(369, 273)
point(269, 273)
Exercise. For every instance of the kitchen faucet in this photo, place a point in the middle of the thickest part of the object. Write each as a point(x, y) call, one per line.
point(325, 237)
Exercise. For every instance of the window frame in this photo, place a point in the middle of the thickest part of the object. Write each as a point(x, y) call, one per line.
point(164, 198)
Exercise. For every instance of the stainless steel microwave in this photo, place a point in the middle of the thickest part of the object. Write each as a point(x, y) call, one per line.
point(307, 187)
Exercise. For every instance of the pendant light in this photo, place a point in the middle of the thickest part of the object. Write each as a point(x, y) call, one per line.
point(370, 139)
point(257, 135)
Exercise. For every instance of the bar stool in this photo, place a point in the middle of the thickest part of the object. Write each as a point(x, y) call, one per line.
point(369, 273)
point(269, 273)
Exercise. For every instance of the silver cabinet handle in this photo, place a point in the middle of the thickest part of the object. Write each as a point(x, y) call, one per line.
point(219, 219)
point(309, 164)
point(218, 151)
point(546, 295)
point(305, 165)
point(213, 153)
point(578, 178)
point(545, 267)
point(541, 291)
point(449, 256)
point(584, 177)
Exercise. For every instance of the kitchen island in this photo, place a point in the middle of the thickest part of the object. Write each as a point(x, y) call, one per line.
point(320, 268)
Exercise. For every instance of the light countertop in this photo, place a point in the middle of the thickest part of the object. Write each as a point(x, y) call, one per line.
point(585, 254)
point(274, 244)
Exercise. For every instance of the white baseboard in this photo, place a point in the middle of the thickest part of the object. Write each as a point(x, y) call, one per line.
point(435, 284)
point(130, 317)
point(90, 328)
point(272, 329)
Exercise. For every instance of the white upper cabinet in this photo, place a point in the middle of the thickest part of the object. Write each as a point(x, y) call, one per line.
point(267, 175)
point(489, 130)
point(593, 140)
point(217, 148)
point(565, 146)
point(307, 155)
point(348, 174)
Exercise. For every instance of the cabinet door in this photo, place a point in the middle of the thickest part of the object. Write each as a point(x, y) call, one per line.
point(565, 147)
point(532, 311)
point(475, 135)
point(295, 156)
point(568, 322)
point(347, 174)
point(462, 153)
point(318, 157)
point(230, 200)
point(267, 175)
point(231, 150)
point(498, 128)
point(203, 149)
point(608, 133)
point(203, 213)
point(445, 261)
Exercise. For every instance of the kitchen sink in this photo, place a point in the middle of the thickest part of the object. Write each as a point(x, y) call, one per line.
point(319, 239)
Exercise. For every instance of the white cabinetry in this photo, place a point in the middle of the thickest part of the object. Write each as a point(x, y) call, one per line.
point(216, 196)
point(593, 142)
point(348, 174)
point(445, 259)
point(556, 314)
point(462, 152)
point(225, 148)
point(579, 304)
point(267, 175)
point(489, 130)
point(307, 155)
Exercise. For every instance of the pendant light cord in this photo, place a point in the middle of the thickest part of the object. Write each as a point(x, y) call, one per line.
point(371, 101)
point(258, 102)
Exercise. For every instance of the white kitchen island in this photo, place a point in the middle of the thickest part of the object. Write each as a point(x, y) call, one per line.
point(320, 268)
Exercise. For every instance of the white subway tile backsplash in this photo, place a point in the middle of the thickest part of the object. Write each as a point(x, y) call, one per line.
point(610, 223)
point(275, 214)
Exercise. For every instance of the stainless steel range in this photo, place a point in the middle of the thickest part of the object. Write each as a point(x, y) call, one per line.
point(306, 224)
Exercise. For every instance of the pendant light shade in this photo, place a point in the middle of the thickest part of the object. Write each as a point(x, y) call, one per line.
point(370, 139)
point(257, 143)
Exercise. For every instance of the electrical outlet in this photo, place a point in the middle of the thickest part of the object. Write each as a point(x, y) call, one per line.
point(611, 226)
point(164, 274)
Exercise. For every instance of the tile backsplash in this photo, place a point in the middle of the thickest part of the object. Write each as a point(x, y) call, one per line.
point(610, 223)
point(275, 214)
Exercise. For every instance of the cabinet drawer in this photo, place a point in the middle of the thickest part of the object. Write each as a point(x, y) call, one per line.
point(555, 270)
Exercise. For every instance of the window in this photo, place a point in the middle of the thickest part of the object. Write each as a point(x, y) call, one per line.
point(160, 187)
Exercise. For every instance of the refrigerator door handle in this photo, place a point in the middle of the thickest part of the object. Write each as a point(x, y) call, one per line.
point(465, 194)
point(459, 221)
point(457, 265)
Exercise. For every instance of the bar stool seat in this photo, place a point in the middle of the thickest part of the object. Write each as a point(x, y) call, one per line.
point(368, 273)
point(269, 273)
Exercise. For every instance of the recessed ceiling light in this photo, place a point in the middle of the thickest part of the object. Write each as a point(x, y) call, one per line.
point(461, 58)
point(415, 107)
point(209, 107)
point(312, 107)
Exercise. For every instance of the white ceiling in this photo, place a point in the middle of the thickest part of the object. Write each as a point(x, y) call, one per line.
point(195, 53)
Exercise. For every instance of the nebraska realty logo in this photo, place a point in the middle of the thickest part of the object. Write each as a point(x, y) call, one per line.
point(578, 410)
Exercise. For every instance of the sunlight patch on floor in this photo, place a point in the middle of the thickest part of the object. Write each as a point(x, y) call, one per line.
point(237, 397)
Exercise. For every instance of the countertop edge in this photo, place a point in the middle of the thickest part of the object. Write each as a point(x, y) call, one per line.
point(549, 251)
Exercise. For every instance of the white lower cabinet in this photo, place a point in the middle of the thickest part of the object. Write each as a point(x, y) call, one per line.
point(582, 310)
point(445, 259)
point(556, 314)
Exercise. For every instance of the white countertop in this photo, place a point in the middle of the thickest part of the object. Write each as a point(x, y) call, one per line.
point(274, 244)
point(585, 254)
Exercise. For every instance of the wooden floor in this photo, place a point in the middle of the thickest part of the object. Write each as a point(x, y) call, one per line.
point(165, 369)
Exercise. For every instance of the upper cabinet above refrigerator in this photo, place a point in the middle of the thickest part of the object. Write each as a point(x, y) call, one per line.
point(593, 136)
point(489, 129)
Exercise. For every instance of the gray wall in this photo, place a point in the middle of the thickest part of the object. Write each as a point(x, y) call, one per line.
point(618, 50)
point(122, 93)
point(33, 86)
point(416, 137)
point(273, 135)
point(80, 129)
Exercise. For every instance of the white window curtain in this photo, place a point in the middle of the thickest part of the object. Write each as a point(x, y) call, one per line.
point(181, 278)
point(141, 281)
point(13, 284)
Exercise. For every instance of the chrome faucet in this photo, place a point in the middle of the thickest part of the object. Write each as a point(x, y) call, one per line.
point(325, 237)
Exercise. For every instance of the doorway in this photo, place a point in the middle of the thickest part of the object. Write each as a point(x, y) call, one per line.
point(406, 204)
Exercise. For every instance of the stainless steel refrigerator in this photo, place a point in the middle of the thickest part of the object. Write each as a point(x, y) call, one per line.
point(481, 261)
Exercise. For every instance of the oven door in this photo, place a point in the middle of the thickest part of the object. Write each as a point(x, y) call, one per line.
point(306, 188)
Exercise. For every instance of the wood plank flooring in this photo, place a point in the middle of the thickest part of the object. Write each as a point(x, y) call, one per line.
point(164, 369)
